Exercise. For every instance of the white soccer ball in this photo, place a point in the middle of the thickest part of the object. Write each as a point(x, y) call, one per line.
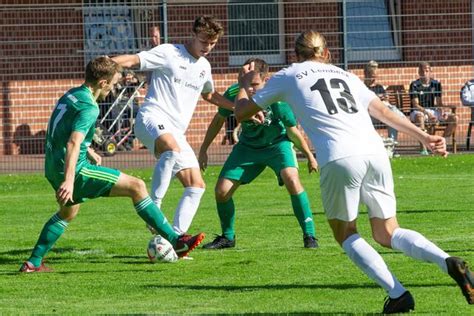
point(160, 250)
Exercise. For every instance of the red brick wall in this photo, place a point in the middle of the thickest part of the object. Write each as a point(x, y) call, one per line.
point(42, 54)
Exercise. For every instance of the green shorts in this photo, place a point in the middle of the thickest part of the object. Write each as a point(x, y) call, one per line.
point(244, 164)
point(91, 182)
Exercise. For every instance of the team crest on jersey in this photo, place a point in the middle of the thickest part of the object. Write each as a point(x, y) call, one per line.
point(202, 74)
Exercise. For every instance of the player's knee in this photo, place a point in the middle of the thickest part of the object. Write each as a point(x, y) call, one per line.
point(222, 195)
point(292, 183)
point(137, 186)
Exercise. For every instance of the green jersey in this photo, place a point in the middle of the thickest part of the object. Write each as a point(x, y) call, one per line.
point(77, 110)
point(278, 116)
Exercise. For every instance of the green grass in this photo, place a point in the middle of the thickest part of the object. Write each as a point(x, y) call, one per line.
point(101, 266)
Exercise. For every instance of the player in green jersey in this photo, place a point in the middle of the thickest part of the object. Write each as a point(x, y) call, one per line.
point(73, 168)
point(261, 144)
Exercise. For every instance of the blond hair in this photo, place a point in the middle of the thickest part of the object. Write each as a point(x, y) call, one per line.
point(311, 45)
point(370, 68)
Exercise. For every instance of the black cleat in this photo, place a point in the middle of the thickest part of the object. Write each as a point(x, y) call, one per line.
point(220, 242)
point(459, 271)
point(310, 241)
point(404, 304)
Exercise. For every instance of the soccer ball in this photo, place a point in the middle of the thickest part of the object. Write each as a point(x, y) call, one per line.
point(160, 250)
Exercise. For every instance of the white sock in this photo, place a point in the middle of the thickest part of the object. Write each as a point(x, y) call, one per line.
point(415, 245)
point(187, 208)
point(162, 175)
point(372, 264)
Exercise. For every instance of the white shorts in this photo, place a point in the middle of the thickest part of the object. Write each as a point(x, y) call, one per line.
point(149, 127)
point(348, 182)
point(440, 116)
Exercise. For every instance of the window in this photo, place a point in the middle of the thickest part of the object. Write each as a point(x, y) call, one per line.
point(373, 30)
point(110, 28)
point(255, 30)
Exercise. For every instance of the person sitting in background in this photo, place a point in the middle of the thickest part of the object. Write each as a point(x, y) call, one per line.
point(426, 104)
point(370, 80)
point(467, 99)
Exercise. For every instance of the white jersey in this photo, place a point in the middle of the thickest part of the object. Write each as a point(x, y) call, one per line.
point(331, 106)
point(177, 80)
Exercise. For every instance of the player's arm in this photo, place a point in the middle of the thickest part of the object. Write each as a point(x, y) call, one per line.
point(378, 110)
point(73, 147)
point(297, 138)
point(212, 131)
point(245, 107)
point(127, 61)
point(217, 99)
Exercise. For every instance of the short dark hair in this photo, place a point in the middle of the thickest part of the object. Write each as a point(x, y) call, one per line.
point(261, 66)
point(208, 24)
point(100, 68)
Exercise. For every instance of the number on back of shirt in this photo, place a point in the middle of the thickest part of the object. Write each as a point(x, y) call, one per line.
point(345, 101)
point(61, 107)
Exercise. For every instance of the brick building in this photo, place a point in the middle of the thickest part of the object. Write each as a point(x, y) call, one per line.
point(45, 45)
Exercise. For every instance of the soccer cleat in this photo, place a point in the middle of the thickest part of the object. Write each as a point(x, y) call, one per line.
point(310, 241)
point(404, 304)
point(186, 243)
point(459, 271)
point(28, 267)
point(220, 242)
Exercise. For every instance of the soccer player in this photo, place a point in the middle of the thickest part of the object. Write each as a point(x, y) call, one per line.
point(334, 108)
point(260, 145)
point(180, 74)
point(73, 168)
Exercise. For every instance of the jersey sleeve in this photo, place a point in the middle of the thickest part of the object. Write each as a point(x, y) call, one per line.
point(84, 120)
point(284, 113)
point(209, 84)
point(272, 92)
point(154, 58)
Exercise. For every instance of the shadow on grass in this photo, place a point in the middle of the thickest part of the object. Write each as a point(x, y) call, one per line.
point(415, 211)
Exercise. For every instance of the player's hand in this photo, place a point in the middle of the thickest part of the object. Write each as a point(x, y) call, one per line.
point(64, 193)
point(246, 74)
point(94, 157)
point(436, 144)
point(258, 118)
point(202, 159)
point(313, 165)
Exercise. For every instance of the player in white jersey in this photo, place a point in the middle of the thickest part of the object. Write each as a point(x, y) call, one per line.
point(180, 74)
point(333, 107)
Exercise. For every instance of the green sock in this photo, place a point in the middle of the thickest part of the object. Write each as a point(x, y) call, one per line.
point(154, 217)
point(226, 211)
point(52, 230)
point(302, 210)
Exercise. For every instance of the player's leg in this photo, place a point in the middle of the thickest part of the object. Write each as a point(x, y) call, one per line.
point(341, 182)
point(158, 135)
point(168, 151)
point(51, 232)
point(136, 189)
point(194, 188)
point(188, 173)
point(152, 215)
point(241, 167)
point(301, 205)
point(282, 159)
point(224, 191)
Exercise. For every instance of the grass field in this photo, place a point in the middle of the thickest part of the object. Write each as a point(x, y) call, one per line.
point(101, 265)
